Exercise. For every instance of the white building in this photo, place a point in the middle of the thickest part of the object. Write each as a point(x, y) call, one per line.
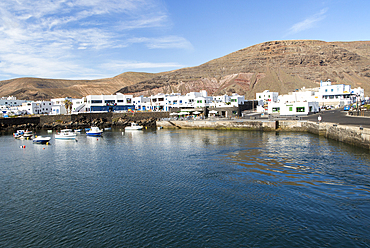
point(58, 105)
point(165, 102)
point(267, 96)
point(39, 107)
point(293, 108)
point(11, 101)
point(227, 101)
point(106, 103)
point(336, 95)
point(140, 102)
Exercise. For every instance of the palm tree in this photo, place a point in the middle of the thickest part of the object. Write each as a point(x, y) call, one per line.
point(68, 105)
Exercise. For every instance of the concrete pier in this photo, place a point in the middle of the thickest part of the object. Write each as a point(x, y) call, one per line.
point(348, 134)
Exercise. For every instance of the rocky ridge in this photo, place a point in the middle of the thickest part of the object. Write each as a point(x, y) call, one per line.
point(281, 66)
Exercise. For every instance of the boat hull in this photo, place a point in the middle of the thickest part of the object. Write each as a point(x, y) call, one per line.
point(93, 134)
point(41, 140)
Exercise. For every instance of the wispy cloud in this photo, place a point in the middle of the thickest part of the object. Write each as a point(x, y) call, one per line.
point(308, 22)
point(163, 42)
point(48, 38)
point(131, 65)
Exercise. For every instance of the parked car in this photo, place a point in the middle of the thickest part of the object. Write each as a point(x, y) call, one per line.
point(346, 108)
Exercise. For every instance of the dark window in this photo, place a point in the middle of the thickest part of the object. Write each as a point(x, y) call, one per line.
point(300, 109)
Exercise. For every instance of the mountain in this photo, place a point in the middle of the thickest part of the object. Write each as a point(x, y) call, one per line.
point(281, 66)
point(43, 89)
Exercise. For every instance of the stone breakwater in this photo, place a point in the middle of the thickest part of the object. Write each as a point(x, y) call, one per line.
point(102, 120)
point(347, 134)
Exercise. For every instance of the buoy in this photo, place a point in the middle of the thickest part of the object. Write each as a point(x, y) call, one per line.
point(97, 139)
point(43, 148)
point(47, 143)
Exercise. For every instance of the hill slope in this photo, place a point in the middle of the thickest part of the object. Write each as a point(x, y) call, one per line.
point(280, 66)
point(42, 89)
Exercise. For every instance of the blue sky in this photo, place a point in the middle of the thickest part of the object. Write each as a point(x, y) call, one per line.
point(92, 39)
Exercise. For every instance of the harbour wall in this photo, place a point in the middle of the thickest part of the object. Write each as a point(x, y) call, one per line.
point(347, 134)
point(41, 121)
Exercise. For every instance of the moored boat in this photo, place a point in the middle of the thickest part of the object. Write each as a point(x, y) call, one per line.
point(18, 134)
point(42, 140)
point(65, 134)
point(134, 126)
point(94, 131)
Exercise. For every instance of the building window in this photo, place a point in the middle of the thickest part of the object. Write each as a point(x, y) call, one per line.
point(326, 90)
point(96, 101)
point(332, 90)
point(128, 100)
point(275, 110)
point(119, 100)
point(300, 109)
point(290, 109)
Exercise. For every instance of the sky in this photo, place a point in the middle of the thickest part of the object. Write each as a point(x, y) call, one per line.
point(94, 39)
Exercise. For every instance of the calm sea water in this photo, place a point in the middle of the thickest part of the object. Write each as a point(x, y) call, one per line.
point(185, 188)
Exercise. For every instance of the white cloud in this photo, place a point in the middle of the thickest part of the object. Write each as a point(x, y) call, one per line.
point(117, 67)
point(46, 38)
point(163, 42)
point(308, 22)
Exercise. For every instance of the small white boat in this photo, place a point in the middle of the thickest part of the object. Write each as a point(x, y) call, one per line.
point(94, 131)
point(134, 126)
point(27, 134)
point(65, 134)
point(18, 134)
point(78, 130)
point(42, 140)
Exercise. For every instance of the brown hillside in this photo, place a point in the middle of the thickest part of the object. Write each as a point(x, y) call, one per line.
point(281, 66)
point(42, 89)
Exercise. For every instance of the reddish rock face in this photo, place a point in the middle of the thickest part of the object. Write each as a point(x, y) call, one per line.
point(281, 66)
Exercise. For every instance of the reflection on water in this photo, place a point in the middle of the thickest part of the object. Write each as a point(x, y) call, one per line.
point(184, 188)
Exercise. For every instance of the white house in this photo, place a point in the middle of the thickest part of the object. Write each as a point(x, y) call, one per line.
point(338, 94)
point(11, 101)
point(140, 102)
point(106, 103)
point(58, 105)
point(293, 108)
point(267, 96)
point(39, 107)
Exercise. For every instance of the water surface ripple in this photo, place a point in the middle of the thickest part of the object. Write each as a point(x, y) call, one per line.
point(185, 188)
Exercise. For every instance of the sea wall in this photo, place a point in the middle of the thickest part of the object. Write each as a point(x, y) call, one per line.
point(81, 120)
point(220, 124)
point(348, 134)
